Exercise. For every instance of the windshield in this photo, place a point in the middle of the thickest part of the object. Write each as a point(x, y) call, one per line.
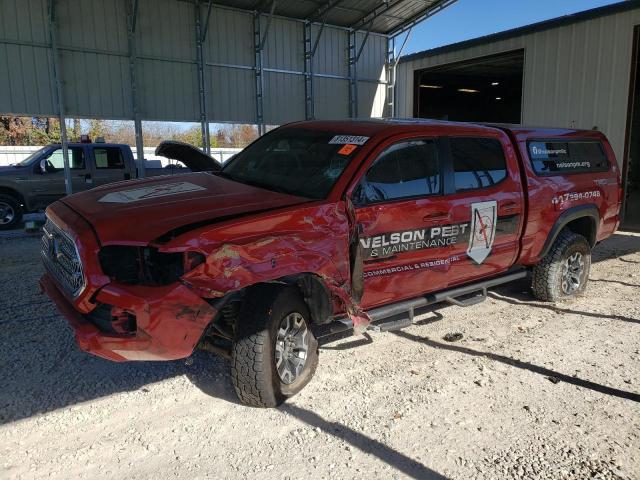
point(300, 162)
point(28, 160)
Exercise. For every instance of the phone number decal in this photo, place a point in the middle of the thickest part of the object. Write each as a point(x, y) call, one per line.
point(575, 196)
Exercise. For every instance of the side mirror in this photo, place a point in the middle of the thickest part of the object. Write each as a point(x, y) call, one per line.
point(43, 166)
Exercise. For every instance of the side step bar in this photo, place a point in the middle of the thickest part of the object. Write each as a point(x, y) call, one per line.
point(342, 328)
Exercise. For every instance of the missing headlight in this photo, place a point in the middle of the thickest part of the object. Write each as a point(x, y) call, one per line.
point(141, 265)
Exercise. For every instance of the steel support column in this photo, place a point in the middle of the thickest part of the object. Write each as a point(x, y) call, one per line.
point(353, 75)
point(259, 80)
point(308, 73)
point(55, 61)
point(391, 66)
point(200, 37)
point(310, 48)
point(354, 56)
point(391, 77)
point(132, 18)
point(259, 40)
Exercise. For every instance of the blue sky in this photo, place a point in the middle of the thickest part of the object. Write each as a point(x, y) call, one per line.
point(467, 19)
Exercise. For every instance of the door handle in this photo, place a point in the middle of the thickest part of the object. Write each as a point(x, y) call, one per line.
point(509, 207)
point(430, 217)
point(87, 178)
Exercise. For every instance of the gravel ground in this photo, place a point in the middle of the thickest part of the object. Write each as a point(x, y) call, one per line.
point(532, 390)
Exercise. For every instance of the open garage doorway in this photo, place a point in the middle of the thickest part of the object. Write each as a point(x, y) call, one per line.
point(631, 168)
point(485, 89)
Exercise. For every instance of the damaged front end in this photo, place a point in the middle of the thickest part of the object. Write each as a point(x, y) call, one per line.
point(132, 305)
point(162, 300)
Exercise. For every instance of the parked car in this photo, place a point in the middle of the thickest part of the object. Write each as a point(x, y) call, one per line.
point(323, 229)
point(38, 180)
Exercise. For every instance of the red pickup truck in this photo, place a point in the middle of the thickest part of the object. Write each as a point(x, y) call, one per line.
point(322, 229)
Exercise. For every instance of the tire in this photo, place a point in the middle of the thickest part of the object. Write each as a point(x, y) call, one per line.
point(10, 212)
point(564, 272)
point(258, 378)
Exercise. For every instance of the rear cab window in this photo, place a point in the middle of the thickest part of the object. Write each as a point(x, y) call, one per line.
point(478, 162)
point(108, 158)
point(563, 157)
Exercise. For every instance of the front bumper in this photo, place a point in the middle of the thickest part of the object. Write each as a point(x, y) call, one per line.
point(170, 321)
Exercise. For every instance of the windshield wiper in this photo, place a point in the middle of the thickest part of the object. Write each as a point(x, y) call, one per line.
point(253, 183)
point(265, 186)
point(224, 174)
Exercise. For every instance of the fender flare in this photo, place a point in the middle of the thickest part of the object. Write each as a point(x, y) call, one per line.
point(9, 189)
point(574, 213)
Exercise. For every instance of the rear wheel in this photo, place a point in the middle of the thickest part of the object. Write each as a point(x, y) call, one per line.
point(10, 212)
point(275, 353)
point(563, 273)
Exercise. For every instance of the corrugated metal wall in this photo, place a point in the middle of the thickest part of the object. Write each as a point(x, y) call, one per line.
point(95, 73)
point(574, 76)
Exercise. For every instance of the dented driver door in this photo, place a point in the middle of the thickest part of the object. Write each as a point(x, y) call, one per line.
point(404, 224)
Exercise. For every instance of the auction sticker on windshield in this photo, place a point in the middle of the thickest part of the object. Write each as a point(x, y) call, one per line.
point(345, 139)
point(137, 194)
point(347, 149)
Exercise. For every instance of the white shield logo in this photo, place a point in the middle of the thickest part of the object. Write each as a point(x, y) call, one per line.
point(483, 230)
point(143, 193)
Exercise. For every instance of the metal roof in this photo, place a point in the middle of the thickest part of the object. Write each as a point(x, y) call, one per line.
point(380, 16)
point(611, 9)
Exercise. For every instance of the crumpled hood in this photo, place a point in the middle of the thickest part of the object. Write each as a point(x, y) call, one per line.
point(138, 212)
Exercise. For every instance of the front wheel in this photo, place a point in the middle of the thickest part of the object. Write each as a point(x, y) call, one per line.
point(10, 212)
point(274, 354)
point(563, 273)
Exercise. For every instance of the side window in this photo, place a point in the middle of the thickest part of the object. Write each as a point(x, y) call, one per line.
point(550, 157)
point(404, 170)
point(108, 157)
point(477, 162)
point(55, 161)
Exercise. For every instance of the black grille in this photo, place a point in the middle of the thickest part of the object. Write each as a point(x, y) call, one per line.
point(61, 259)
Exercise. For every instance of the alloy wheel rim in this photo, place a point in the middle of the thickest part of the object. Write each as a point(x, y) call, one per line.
point(572, 271)
point(292, 347)
point(7, 213)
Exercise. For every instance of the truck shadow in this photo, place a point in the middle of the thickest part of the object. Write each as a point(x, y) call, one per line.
point(604, 280)
point(221, 388)
point(41, 367)
point(408, 466)
point(60, 375)
point(552, 375)
point(522, 296)
point(616, 246)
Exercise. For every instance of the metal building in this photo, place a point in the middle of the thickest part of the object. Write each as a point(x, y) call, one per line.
point(245, 61)
point(574, 71)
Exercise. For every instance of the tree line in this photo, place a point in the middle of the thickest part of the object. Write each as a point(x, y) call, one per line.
point(43, 131)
